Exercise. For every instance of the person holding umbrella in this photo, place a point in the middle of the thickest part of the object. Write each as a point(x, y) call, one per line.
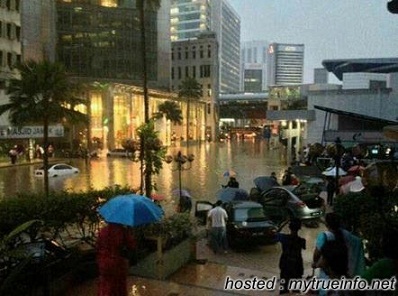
point(112, 266)
point(115, 240)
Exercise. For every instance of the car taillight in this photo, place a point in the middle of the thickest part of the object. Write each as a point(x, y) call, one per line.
point(301, 204)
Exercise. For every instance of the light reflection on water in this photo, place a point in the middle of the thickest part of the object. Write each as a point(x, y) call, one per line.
point(249, 159)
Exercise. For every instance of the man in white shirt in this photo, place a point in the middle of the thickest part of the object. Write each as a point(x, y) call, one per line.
point(217, 219)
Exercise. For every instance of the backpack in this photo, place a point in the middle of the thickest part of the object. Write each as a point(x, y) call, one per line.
point(335, 255)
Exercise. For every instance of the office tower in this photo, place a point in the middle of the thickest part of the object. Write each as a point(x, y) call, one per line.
point(285, 64)
point(103, 41)
point(254, 66)
point(198, 58)
point(10, 46)
point(10, 34)
point(190, 17)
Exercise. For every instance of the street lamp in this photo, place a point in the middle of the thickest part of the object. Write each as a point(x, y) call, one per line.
point(183, 163)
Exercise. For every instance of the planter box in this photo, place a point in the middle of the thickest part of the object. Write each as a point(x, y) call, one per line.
point(161, 264)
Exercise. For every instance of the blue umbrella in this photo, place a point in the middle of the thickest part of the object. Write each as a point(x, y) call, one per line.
point(264, 183)
point(229, 194)
point(131, 210)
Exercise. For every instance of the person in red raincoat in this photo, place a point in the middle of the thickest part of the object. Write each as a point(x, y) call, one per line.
point(112, 266)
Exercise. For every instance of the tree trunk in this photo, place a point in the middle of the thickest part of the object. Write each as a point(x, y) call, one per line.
point(188, 121)
point(45, 157)
point(145, 88)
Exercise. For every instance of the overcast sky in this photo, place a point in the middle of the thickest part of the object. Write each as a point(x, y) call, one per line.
point(329, 29)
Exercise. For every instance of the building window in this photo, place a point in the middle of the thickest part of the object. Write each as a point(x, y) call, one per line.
point(18, 32)
point(172, 55)
point(209, 51)
point(1, 58)
point(186, 53)
point(204, 71)
point(172, 72)
point(186, 71)
point(179, 73)
point(194, 71)
point(9, 31)
point(201, 52)
point(179, 54)
point(9, 59)
point(194, 52)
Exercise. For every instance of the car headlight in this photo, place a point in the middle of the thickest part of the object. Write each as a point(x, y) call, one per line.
point(244, 223)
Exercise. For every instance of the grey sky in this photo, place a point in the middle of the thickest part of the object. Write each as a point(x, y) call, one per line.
point(329, 29)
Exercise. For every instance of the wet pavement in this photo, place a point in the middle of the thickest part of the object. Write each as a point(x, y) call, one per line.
point(208, 273)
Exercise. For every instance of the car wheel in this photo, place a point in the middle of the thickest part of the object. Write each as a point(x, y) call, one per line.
point(55, 176)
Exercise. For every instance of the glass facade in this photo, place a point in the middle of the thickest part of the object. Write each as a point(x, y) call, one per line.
point(253, 80)
point(103, 40)
point(189, 18)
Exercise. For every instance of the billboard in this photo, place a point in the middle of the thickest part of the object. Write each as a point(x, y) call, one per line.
point(29, 132)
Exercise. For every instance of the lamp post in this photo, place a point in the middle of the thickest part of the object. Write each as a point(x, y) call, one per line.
point(180, 160)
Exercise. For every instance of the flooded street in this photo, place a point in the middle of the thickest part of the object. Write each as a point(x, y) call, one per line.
point(248, 159)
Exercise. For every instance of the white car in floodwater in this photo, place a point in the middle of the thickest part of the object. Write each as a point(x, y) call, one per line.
point(55, 170)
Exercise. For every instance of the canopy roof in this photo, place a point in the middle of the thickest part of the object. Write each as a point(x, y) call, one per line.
point(380, 65)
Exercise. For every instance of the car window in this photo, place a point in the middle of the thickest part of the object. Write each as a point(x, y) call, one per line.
point(245, 214)
point(275, 197)
point(62, 167)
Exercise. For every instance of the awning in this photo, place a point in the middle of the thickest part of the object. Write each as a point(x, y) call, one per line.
point(356, 115)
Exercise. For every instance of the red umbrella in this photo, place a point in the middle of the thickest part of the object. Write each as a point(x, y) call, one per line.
point(346, 179)
point(157, 196)
point(356, 169)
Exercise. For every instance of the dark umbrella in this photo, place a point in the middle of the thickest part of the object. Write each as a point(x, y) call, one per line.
point(184, 192)
point(264, 183)
point(229, 194)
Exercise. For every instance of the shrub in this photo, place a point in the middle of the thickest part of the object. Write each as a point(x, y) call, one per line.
point(368, 214)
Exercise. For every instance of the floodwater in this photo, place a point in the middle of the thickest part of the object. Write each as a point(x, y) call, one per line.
point(249, 159)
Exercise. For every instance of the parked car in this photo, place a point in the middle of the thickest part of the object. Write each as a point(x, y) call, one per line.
point(55, 170)
point(283, 202)
point(119, 152)
point(246, 223)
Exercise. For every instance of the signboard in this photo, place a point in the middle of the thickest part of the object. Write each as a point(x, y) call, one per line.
point(29, 132)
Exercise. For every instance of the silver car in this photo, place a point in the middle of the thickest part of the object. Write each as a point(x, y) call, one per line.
point(283, 202)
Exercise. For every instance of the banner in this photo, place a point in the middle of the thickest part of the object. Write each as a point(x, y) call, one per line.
point(29, 132)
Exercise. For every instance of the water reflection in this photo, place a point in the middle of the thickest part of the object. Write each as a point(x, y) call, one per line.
point(204, 179)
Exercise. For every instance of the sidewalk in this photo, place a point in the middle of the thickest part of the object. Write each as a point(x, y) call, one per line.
point(198, 278)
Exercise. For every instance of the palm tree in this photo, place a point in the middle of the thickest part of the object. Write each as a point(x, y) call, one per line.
point(43, 94)
point(172, 111)
point(141, 5)
point(190, 89)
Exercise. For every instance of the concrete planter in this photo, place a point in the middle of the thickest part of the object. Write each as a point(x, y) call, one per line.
point(161, 264)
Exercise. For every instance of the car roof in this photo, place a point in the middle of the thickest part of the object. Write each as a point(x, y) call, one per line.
point(246, 204)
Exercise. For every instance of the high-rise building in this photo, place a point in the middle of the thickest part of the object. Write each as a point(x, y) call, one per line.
point(10, 36)
point(254, 66)
point(198, 58)
point(190, 17)
point(10, 45)
point(285, 64)
point(103, 41)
